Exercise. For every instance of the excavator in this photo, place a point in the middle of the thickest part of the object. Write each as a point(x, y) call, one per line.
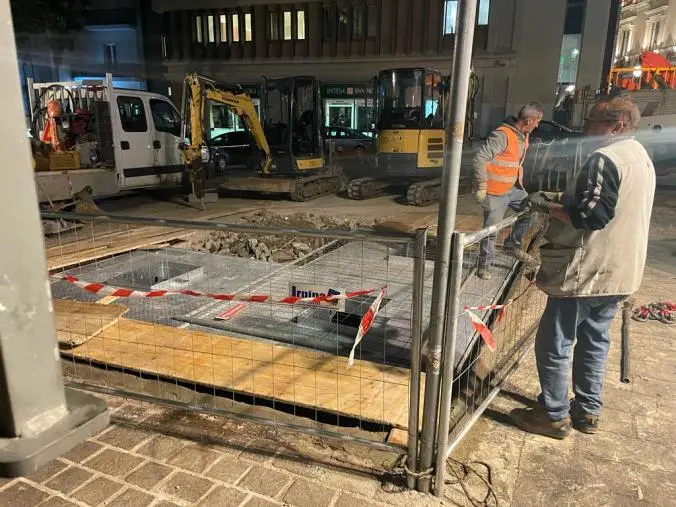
point(289, 153)
point(411, 105)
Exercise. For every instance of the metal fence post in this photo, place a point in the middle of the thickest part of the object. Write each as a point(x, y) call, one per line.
point(39, 420)
point(448, 359)
point(416, 354)
point(462, 62)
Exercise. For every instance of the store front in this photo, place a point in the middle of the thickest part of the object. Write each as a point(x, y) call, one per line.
point(350, 106)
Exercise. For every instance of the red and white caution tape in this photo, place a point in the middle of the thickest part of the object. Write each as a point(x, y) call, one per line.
point(109, 290)
point(481, 327)
point(365, 324)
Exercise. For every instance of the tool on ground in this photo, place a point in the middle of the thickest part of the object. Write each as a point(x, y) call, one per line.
point(625, 353)
point(661, 312)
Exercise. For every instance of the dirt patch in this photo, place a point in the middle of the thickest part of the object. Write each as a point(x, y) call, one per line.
point(275, 247)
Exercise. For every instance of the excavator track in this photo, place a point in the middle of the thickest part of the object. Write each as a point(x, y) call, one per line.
point(424, 193)
point(312, 187)
point(365, 188)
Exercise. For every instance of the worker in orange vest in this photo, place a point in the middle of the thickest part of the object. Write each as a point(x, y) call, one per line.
point(498, 181)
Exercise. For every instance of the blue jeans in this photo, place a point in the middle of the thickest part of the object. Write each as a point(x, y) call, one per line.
point(588, 320)
point(495, 207)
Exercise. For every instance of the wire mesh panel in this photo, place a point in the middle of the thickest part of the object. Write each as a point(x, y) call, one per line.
point(252, 320)
point(496, 311)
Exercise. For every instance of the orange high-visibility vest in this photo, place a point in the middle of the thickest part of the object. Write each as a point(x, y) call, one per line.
point(505, 169)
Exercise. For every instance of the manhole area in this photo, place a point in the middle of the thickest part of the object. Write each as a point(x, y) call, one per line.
point(157, 275)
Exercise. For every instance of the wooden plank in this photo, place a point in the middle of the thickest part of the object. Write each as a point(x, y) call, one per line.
point(78, 322)
point(398, 437)
point(367, 391)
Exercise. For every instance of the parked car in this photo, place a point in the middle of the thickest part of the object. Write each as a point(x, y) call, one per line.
point(348, 140)
point(231, 150)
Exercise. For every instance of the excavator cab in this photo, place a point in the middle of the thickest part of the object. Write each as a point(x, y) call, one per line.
point(291, 108)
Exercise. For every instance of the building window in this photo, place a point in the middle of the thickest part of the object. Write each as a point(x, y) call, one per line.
point(654, 31)
point(300, 19)
point(357, 22)
point(329, 23)
point(624, 44)
point(223, 22)
point(287, 25)
point(164, 47)
point(198, 29)
point(450, 16)
point(273, 28)
point(343, 18)
point(372, 20)
point(211, 36)
point(110, 55)
point(484, 7)
point(248, 31)
point(235, 27)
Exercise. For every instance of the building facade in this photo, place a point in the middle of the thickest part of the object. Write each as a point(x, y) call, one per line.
point(344, 43)
point(646, 25)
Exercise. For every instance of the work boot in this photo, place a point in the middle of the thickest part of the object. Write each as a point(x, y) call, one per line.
point(536, 420)
point(484, 274)
point(583, 421)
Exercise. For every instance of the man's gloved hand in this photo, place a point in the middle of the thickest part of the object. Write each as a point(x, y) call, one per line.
point(540, 201)
point(480, 195)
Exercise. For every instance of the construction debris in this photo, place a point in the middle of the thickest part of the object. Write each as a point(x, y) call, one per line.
point(277, 248)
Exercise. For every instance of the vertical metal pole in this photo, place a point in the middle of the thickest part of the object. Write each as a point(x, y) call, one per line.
point(416, 353)
point(454, 287)
point(462, 61)
point(36, 414)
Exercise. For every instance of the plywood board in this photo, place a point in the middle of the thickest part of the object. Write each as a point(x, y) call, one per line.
point(78, 322)
point(367, 391)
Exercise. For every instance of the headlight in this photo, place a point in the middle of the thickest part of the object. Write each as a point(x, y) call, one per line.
point(205, 154)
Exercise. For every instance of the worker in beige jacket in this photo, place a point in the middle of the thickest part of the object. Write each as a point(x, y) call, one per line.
point(594, 258)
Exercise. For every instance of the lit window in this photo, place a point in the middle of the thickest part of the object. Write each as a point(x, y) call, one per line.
point(198, 29)
point(110, 55)
point(223, 21)
point(450, 16)
point(287, 25)
point(300, 19)
point(484, 7)
point(210, 29)
point(274, 26)
point(248, 32)
point(235, 27)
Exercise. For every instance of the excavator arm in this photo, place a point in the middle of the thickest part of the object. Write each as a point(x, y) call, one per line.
point(197, 92)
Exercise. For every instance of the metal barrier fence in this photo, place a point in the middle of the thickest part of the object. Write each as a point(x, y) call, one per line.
point(197, 315)
point(475, 366)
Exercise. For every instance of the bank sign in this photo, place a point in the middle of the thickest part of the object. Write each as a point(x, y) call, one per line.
point(339, 91)
point(303, 290)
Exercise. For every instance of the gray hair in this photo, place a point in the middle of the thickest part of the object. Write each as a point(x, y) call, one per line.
point(531, 110)
point(619, 108)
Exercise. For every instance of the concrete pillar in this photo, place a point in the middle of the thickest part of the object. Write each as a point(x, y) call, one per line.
point(39, 420)
point(593, 47)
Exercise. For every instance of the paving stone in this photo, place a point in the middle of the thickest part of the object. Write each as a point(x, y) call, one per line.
point(115, 463)
point(134, 498)
point(164, 503)
point(186, 487)
point(69, 480)
point(130, 413)
point(57, 501)
point(228, 469)
point(264, 481)
point(82, 451)
point(351, 501)
point(123, 437)
point(21, 494)
point(194, 458)
point(149, 475)
point(47, 471)
point(223, 497)
point(307, 494)
point(257, 501)
point(97, 491)
point(161, 447)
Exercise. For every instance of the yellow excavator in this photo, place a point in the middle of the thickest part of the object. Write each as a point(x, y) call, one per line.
point(411, 106)
point(289, 153)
